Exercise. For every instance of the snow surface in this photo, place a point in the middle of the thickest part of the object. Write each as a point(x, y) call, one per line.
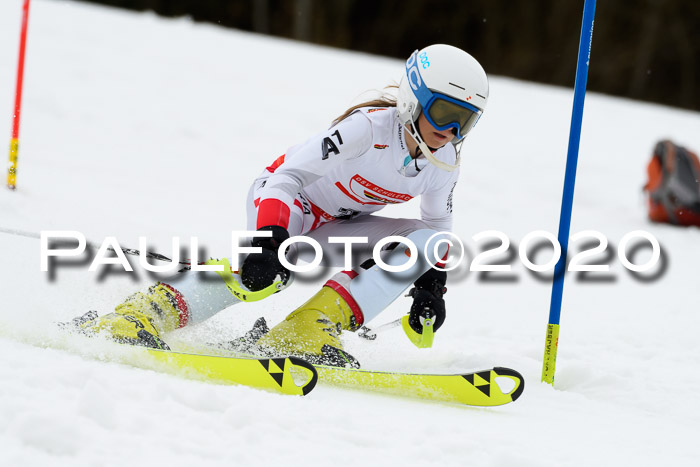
point(137, 125)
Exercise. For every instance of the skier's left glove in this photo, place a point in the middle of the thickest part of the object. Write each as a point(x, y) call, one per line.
point(260, 270)
point(427, 300)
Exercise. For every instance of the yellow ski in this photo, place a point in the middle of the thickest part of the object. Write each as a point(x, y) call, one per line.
point(476, 389)
point(480, 388)
point(286, 375)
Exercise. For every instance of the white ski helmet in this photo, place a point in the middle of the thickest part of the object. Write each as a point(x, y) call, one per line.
point(450, 87)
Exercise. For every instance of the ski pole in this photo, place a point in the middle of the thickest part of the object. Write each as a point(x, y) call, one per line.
point(14, 141)
point(227, 275)
point(371, 334)
point(423, 340)
point(127, 251)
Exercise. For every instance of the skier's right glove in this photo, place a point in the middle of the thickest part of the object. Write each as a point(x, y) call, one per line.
point(260, 270)
point(428, 301)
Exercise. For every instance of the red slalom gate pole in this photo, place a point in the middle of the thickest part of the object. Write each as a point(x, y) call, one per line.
point(14, 141)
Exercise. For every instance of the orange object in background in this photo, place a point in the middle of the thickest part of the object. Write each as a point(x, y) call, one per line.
point(673, 185)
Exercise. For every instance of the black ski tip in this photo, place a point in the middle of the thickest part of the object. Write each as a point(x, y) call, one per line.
point(314, 374)
point(151, 341)
point(500, 371)
point(76, 323)
point(246, 344)
point(260, 327)
point(333, 356)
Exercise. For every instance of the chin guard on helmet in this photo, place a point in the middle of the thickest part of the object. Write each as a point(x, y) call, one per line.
point(428, 153)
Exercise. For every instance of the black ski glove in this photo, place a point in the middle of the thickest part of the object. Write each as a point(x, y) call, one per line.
point(427, 300)
point(259, 270)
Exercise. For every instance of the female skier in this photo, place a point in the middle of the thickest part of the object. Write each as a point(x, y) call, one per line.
point(382, 152)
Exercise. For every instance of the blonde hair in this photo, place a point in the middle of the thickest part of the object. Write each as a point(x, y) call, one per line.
point(385, 100)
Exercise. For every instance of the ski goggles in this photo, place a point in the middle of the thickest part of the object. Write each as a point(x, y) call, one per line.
point(441, 110)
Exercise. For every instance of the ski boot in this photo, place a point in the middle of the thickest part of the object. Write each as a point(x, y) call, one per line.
point(311, 332)
point(141, 319)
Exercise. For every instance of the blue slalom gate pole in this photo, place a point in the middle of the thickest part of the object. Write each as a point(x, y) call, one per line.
point(584, 55)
